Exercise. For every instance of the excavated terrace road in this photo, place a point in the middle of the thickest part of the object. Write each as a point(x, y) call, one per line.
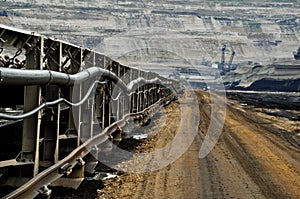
point(248, 161)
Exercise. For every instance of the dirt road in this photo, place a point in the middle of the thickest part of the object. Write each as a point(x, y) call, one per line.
point(250, 160)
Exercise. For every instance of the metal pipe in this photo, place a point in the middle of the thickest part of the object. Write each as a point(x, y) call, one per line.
point(9, 76)
point(133, 84)
point(38, 77)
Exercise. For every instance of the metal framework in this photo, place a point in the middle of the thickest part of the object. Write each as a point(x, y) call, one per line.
point(59, 103)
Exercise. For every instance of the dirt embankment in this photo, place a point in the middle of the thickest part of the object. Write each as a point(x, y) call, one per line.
point(250, 160)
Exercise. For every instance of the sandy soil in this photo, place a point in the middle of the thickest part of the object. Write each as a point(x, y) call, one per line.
point(250, 160)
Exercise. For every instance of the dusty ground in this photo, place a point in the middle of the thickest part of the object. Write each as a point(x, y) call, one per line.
point(250, 160)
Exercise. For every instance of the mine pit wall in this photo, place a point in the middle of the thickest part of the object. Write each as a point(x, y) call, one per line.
point(32, 144)
point(268, 84)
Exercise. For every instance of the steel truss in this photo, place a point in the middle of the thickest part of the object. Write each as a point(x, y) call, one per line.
point(60, 102)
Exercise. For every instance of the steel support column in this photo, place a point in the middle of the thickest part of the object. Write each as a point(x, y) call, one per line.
point(32, 98)
point(51, 121)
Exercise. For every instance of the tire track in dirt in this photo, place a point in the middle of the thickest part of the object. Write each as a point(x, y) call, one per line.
point(249, 161)
point(161, 184)
point(267, 159)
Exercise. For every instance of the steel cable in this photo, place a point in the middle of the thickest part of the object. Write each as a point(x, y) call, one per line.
point(46, 104)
